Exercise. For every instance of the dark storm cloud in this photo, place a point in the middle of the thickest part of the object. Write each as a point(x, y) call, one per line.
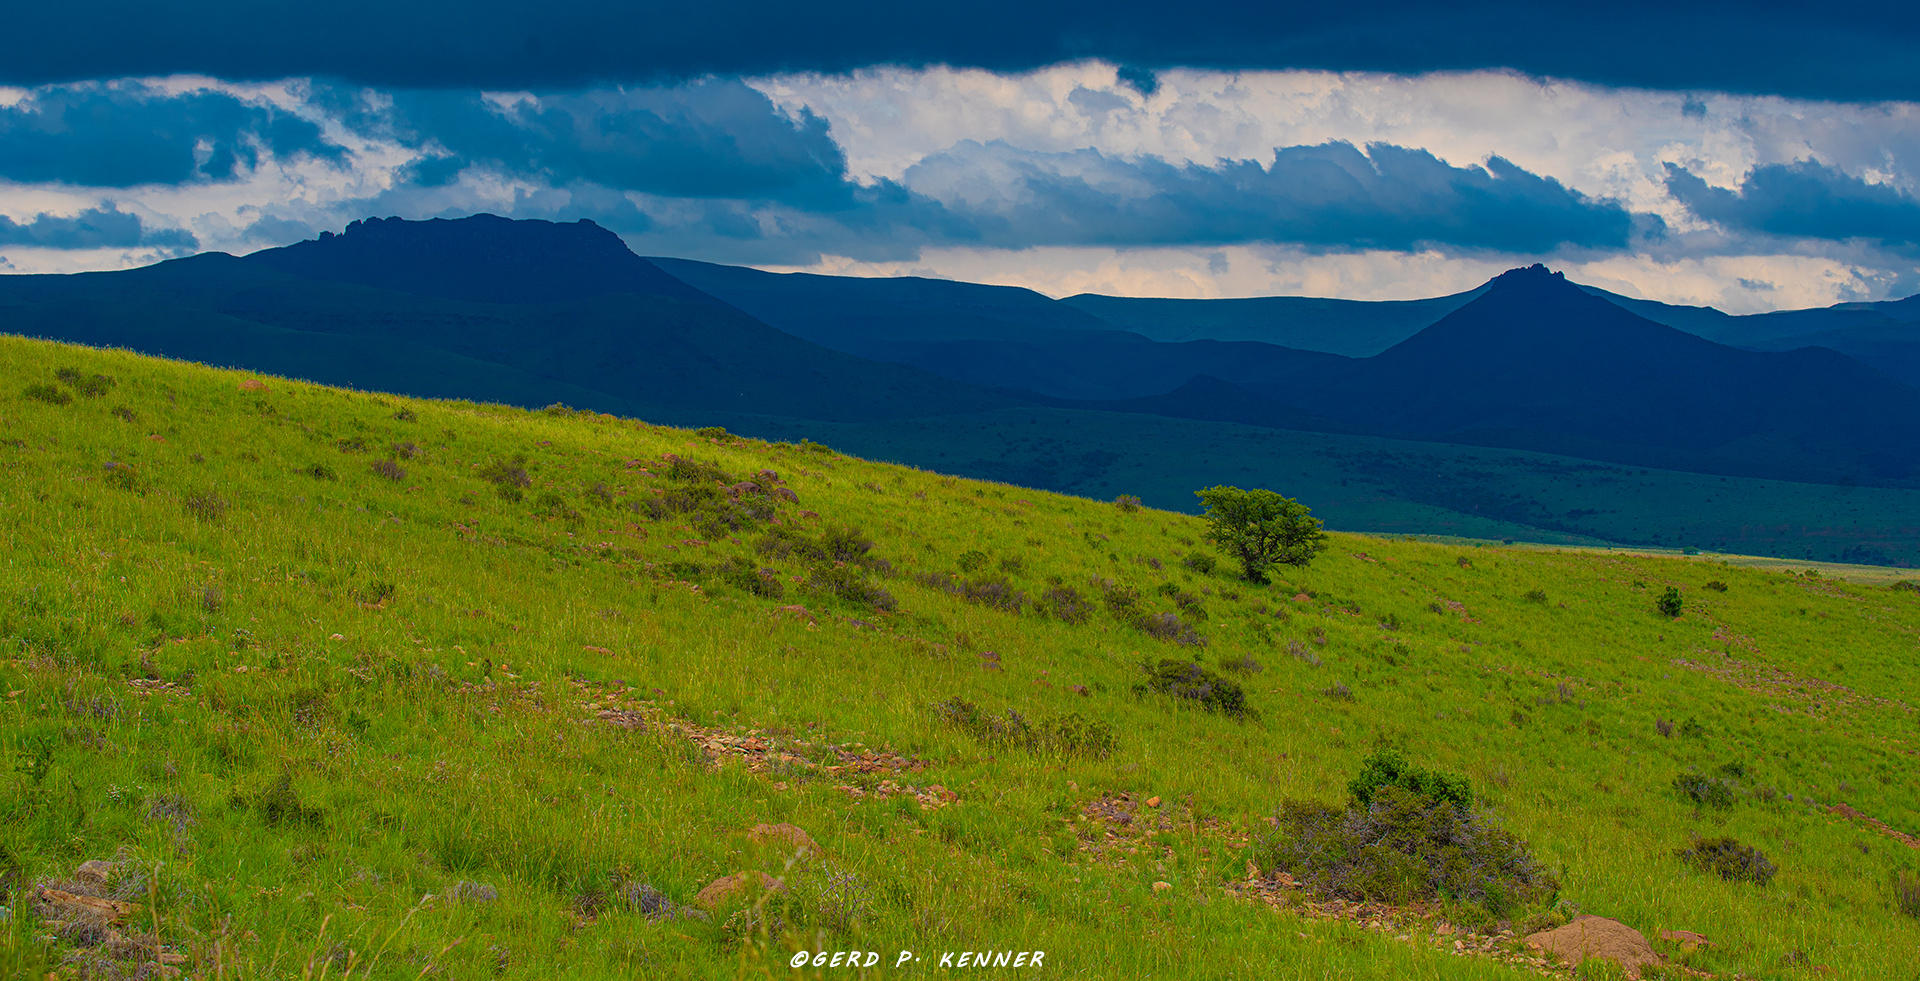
point(1388, 197)
point(124, 135)
point(1853, 49)
point(707, 139)
point(95, 228)
point(1804, 199)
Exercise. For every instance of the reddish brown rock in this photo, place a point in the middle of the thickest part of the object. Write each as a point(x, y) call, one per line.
point(790, 837)
point(1596, 936)
point(725, 888)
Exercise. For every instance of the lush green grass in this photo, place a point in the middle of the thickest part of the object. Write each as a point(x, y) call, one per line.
point(382, 688)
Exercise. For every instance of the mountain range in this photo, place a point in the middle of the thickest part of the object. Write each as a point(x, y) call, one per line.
point(532, 313)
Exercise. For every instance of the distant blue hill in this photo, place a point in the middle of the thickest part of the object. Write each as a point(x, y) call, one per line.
point(531, 312)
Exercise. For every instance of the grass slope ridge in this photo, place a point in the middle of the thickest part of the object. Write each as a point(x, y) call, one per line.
point(351, 682)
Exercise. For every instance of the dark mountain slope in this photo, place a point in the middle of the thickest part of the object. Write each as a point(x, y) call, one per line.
point(845, 312)
point(1354, 328)
point(1538, 363)
point(635, 338)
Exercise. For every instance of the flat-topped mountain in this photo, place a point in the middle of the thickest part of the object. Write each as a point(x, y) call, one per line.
point(481, 258)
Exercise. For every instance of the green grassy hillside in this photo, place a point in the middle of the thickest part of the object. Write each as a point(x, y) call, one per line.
point(349, 685)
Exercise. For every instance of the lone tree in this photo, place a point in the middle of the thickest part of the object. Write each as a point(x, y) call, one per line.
point(1261, 529)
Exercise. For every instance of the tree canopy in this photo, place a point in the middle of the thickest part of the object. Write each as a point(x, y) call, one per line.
point(1261, 529)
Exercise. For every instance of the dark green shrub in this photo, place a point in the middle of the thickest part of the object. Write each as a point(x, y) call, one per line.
point(1906, 585)
point(92, 387)
point(971, 560)
point(1190, 681)
point(406, 415)
point(845, 543)
point(690, 471)
point(711, 432)
point(388, 469)
point(850, 583)
point(1122, 600)
point(1692, 729)
point(1537, 596)
point(1403, 847)
point(994, 592)
point(509, 477)
point(1669, 602)
point(1066, 603)
point(1717, 586)
point(1338, 691)
point(1729, 859)
point(1127, 503)
point(321, 471)
point(1200, 562)
point(1170, 628)
point(49, 394)
point(353, 444)
point(1386, 768)
point(1704, 790)
point(744, 576)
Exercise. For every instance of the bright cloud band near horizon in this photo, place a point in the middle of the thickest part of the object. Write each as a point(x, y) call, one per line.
point(1078, 177)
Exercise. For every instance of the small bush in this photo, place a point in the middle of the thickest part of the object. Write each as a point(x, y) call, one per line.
point(1127, 502)
point(971, 560)
point(1386, 768)
point(388, 469)
point(745, 576)
point(321, 471)
point(1168, 627)
point(1730, 860)
point(1066, 603)
point(1402, 847)
point(1664, 728)
point(1187, 680)
point(508, 476)
point(1692, 729)
point(352, 444)
point(1703, 790)
point(1200, 562)
point(1669, 602)
point(995, 593)
point(1906, 893)
point(1122, 600)
point(711, 432)
point(1905, 586)
point(1338, 691)
point(92, 387)
point(406, 451)
point(849, 583)
point(1717, 586)
point(49, 394)
point(207, 507)
point(406, 415)
point(1537, 596)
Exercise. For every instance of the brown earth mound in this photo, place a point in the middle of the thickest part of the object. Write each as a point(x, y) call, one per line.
point(1596, 936)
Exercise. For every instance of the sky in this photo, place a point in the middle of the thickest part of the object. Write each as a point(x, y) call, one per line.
point(1746, 156)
